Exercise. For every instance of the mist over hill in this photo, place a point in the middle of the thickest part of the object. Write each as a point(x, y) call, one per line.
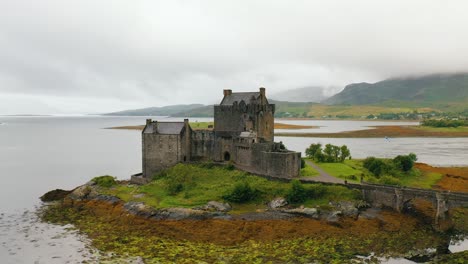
point(314, 94)
point(424, 90)
point(157, 111)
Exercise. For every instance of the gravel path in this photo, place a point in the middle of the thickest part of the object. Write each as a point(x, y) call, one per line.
point(323, 176)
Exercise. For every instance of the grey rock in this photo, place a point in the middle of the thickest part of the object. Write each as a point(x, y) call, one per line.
point(107, 198)
point(84, 192)
point(217, 206)
point(184, 213)
point(140, 209)
point(277, 203)
point(334, 217)
point(348, 209)
point(304, 211)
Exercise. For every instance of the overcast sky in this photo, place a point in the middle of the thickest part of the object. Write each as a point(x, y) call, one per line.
point(99, 56)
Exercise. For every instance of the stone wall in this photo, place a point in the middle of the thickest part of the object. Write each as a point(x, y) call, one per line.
point(281, 164)
point(202, 145)
point(241, 117)
point(160, 152)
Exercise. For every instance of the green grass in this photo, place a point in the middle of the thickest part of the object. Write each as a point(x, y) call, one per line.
point(350, 170)
point(200, 125)
point(419, 179)
point(202, 184)
point(308, 171)
point(441, 129)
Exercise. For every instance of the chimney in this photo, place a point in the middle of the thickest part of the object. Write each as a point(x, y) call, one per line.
point(186, 121)
point(148, 121)
point(262, 91)
point(227, 92)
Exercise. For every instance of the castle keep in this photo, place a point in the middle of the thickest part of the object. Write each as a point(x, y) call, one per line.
point(243, 134)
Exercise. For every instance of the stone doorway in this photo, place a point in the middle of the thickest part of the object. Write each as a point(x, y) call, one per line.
point(227, 156)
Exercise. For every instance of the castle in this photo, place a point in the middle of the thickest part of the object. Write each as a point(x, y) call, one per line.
point(243, 134)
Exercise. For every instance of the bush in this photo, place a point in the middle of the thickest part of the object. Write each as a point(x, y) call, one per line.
point(389, 180)
point(302, 163)
point(297, 193)
point(316, 191)
point(104, 181)
point(375, 166)
point(241, 193)
point(404, 162)
point(176, 182)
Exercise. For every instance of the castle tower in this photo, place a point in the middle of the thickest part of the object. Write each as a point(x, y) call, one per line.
point(245, 112)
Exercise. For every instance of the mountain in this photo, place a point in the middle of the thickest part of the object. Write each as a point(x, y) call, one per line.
point(283, 109)
point(157, 111)
point(306, 94)
point(425, 90)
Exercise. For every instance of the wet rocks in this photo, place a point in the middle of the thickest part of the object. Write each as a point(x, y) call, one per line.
point(55, 195)
point(140, 209)
point(214, 206)
point(303, 211)
point(143, 210)
point(277, 203)
point(84, 192)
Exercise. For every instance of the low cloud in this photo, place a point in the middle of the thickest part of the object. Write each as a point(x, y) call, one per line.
point(100, 56)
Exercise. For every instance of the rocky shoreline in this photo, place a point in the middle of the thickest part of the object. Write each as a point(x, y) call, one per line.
point(342, 231)
point(276, 209)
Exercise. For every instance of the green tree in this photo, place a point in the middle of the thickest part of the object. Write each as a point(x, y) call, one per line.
point(344, 153)
point(404, 162)
point(328, 152)
point(313, 149)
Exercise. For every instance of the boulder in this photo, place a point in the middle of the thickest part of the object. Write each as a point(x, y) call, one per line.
point(107, 198)
point(334, 217)
point(55, 195)
point(304, 211)
point(277, 203)
point(348, 209)
point(140, 209)
point(217, 206)
point(84, 192)
point(184, 213)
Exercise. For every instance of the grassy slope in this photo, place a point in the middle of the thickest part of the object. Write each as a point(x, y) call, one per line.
point(207, 184)
point(348, 169)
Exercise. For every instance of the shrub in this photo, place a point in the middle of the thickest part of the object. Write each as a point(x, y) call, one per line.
point(160, 175)
point(316, 191)
point(297, 193)
point(179, 179)
point(230, 166)
point(302, 163)
point(404, 162)
point(241, 193)
point(104, 181)
point(375, 166)
point(389, 180)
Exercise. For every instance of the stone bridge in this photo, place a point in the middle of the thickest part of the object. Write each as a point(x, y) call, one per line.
point(398, 197)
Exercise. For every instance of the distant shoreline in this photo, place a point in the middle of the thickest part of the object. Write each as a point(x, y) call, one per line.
point(277, 126)
point(387, 131)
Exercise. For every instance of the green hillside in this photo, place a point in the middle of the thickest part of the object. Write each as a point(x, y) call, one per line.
point(440, 90)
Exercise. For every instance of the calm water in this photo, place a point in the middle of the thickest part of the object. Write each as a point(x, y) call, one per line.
point(38, 154)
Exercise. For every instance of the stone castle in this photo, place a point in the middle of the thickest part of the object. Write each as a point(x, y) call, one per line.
point(243, 134)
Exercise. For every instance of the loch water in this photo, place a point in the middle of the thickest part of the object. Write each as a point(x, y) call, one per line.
point(38, 154)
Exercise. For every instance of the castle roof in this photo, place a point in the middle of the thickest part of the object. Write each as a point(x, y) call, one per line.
point(165, 128)
point(237, 97)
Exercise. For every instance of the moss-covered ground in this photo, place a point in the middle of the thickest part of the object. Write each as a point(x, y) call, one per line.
point(297, 240)
point(300, 240)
